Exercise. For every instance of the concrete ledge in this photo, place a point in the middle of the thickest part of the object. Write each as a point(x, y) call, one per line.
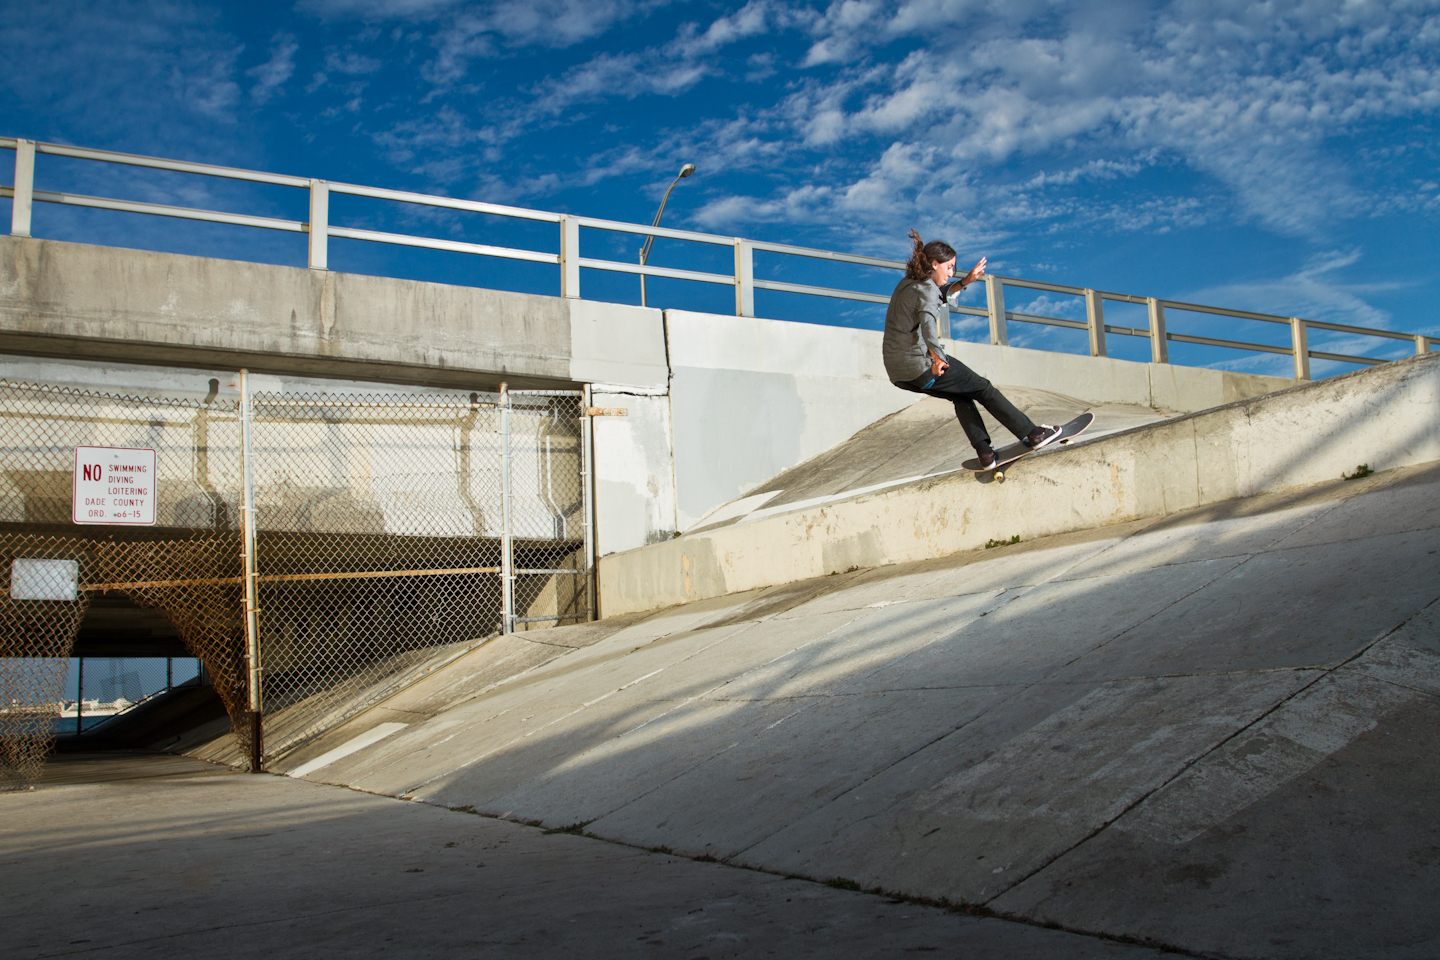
point(1387, 417)
point(752, 398)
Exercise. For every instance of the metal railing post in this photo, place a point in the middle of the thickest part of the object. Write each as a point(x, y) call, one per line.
point(507, 564)
point(744, 278)
point(1159, 341)
point(1422, 345)
point(319, 225)
point(1300, 342)
point(995, 297)
point(1095, 317)
point(587, 453)
point(247, 538)
point(24, 188)
point(570, 257)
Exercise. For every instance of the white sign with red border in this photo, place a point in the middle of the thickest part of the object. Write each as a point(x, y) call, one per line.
point(114, 485)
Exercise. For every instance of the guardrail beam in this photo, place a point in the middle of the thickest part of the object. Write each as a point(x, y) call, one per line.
point(995, 298)
point(570, 258)
point(744, 278)
point(1095, 319)
point(1159, 340)
point(24, 187)
point(1300, 343)
point(319, 225)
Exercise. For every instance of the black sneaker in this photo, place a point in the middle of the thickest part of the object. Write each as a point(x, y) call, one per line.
point(986, 456)
point(1040, 436)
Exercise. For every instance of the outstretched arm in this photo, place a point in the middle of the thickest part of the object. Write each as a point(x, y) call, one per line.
point(976, 272)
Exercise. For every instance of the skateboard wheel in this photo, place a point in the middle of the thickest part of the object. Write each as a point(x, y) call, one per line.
point(1000, 475)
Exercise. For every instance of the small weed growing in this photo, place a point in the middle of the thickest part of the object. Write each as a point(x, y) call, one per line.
point(1002, 543)
point(1363, 470)
point(660, 850)
point(578, 829)
point(840, 883)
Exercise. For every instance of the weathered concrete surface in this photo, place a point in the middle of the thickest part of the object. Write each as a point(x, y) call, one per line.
point(1386, 417)
point(146, 857)
point(1086, 729)
point(754, 397)
point(87, 302)
point(923, 440)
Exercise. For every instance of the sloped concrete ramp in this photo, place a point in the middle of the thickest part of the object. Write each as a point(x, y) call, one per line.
point(1212, 730)
point(1387, 417)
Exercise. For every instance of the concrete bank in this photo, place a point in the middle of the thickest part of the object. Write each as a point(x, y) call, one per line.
point(163, 856)
point(1386, 417)
point(1214, 730)
point(752, 397)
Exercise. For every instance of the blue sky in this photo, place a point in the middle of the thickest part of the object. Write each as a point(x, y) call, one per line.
point(1274, 156)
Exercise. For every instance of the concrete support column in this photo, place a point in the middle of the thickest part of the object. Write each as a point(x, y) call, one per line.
point(1300, 343)
point(744, 278)
point(319, 225)
point(1159, 341)
point(995, 296)
point(1095, 317)
point(24, 188)
point(1422, 344)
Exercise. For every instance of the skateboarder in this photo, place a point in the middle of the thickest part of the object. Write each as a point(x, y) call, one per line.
point(914, 359)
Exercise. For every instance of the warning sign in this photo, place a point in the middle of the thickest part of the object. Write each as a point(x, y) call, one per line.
point(114, 485)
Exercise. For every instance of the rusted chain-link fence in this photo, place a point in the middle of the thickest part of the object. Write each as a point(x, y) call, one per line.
point(186, 564)
point(390, 533)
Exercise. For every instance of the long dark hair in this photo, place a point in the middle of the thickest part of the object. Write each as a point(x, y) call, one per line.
point(924, 256)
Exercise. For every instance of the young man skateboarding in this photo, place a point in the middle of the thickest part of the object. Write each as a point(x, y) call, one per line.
point(914, 359)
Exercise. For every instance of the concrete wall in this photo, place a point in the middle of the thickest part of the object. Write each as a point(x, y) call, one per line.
point(1386, 417)
point(750, 397)
point(105, 303)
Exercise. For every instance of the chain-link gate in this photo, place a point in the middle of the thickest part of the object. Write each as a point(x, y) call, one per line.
point(387, 535)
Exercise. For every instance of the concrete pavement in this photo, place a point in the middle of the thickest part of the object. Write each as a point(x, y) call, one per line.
point(136, 856)
point(1109, 730)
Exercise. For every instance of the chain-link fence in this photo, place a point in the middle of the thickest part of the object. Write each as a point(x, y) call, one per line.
point(186, 564)
point(390, 534)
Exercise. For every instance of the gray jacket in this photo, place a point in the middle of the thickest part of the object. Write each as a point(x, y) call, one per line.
point(912, 329)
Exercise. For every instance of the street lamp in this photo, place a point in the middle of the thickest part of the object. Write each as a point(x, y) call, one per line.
point(685, 171)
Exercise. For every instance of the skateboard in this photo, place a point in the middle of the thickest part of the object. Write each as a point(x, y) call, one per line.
point(1008, 455)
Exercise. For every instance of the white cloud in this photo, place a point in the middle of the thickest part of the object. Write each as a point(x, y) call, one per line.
point(271, 75)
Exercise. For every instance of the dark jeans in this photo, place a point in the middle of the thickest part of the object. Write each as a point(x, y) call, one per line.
point(965, 388)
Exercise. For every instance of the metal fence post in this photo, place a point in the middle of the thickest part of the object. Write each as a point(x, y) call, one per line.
point(1159, 340)
point(744, 278)
point(1300, 343)
point(1095, 317)
point(80, 699)
point(319, 225)
point(24, 188)
point(507, 565)
point(570, 257)
point(995, 296)
point(247, 538)
point(587, 466)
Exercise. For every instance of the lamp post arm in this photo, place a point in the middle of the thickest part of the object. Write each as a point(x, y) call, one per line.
point(645, 247)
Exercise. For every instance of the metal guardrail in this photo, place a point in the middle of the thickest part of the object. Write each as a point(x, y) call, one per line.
point(570, 261)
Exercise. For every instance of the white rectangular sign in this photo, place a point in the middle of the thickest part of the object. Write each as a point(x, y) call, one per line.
point(114, 485)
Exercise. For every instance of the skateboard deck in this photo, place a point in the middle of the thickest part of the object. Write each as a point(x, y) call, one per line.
point(1008, 455)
